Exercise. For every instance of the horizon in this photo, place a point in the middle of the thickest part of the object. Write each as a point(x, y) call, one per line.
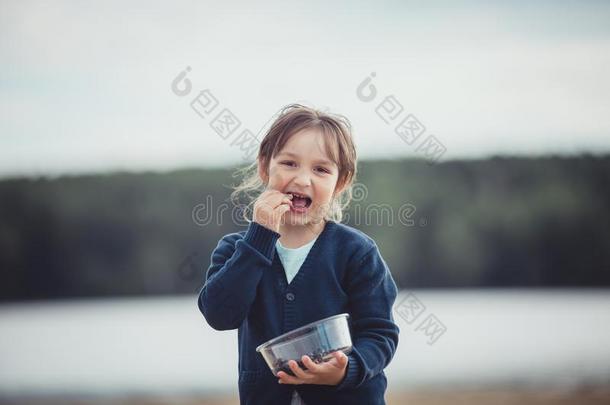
point(224, 167)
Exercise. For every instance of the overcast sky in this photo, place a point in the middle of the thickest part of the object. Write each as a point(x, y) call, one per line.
point(87, 87)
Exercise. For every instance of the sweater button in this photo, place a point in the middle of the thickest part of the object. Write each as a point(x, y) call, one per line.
point(290, 297)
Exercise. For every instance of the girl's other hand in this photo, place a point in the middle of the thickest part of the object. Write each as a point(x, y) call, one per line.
point(270, 207)
point(328, 373)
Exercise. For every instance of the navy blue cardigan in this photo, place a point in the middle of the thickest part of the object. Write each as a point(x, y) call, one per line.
point(246, 288)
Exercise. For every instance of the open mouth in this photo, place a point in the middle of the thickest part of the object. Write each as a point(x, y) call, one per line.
point(300, 202)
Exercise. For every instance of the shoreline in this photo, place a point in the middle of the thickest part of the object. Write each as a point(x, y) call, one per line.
point(586, 395)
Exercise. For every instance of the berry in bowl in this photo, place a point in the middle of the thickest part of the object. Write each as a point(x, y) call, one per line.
point(318, 340)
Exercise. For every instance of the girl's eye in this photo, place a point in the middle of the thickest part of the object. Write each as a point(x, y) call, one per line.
point(291, 163)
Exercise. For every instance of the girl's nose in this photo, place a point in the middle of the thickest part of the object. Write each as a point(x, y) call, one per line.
point(303, 178)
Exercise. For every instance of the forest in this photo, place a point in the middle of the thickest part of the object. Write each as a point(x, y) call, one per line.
point(496, 222)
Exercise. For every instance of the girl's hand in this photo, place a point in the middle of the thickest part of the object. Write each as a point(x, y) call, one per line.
point(269, 208)
point(328, 373)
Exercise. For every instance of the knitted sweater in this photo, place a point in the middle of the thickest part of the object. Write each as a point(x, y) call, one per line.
point(246, 289)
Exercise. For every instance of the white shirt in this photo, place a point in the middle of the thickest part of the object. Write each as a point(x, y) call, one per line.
point(292, 259)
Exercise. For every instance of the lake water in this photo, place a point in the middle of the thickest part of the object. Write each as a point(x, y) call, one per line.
point(164, 345)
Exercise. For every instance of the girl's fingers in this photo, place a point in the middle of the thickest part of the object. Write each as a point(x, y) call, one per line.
point(340, 356)
point(285, 378)
point(272, 204)
point(298, 371)
point(309, 363)
point(283, 205)
point(275, 198)
point(339, 360)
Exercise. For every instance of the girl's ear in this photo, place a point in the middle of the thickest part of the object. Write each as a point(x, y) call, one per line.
point(262, 171)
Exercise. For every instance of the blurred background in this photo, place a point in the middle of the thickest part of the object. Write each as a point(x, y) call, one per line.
point(484, 176)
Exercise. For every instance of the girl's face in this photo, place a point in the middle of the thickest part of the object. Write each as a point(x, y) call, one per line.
point(303, 168)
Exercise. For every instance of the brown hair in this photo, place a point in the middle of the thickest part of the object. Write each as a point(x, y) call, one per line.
point(339, 147)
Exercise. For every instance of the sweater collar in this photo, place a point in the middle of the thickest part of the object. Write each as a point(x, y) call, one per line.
point(312, 255)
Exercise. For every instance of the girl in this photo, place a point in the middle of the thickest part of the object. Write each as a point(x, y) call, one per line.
point(296, 263)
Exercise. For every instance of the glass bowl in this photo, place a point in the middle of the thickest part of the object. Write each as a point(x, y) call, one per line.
point(318, 340)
